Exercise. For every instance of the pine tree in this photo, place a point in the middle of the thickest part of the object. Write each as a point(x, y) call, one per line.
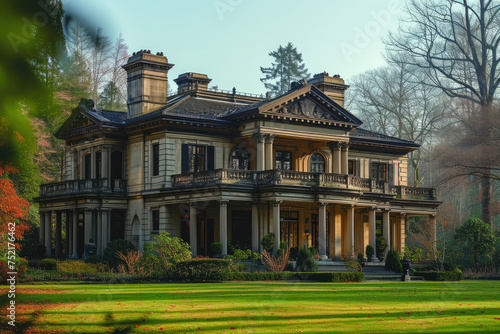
point(111, 98)
point(287, 67)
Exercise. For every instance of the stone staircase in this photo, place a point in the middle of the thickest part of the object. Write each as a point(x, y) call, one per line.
point(374, 271)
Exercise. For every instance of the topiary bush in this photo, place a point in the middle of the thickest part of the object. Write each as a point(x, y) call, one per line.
point(393, 262)
point(370, 251)
point(240, 255)
point(48, 264)
point(267, 242)
point(113, 248)
point(305, 260)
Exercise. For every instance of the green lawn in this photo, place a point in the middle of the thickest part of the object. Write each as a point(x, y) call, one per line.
point(266, 307)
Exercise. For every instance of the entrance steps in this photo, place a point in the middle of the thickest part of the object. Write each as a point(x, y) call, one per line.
point(374, 271)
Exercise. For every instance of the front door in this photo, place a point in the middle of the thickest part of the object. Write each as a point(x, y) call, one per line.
point(289, 230)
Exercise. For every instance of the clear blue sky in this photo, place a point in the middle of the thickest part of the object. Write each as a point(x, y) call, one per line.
point(230, 39)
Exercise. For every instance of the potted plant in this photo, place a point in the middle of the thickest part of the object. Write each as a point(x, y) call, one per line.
point(361, 259)
point(216, 248)
point(370, 251)
point(381, 246)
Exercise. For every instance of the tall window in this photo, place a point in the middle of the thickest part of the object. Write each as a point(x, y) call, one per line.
point(88, 166)
point(98, 164)
point(156, 159)
point(197, 158)
point(379, 171)
point(352, 170)
point(283, 160)
point(240, 159)
point(155, 225)
point(317, 163)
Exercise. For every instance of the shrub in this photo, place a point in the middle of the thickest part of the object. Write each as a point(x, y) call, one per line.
point(370, 251)
point(152, 265)
point(255, 257)
point(93, 259)
point(305, 260)
point(48, 264)
point(262, 276)
point(3, 271)
point(361, 256)
point(381, 244)
point(455, 275)
point(331, 277)
point(30, 247)
point(131, 260)
point(414, 253)
point(275, 263)
point(353, 264)
point(216, 247)
point(171, 249)
point(248, 252)
point(78, 267)
point(240, 255)
point(267, 242)
point(229, 257)
point(200, 270)
point(289, 266)
point(114, 248)
point(392, 261)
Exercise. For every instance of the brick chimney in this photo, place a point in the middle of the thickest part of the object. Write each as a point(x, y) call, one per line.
point(191, 81)
point(333, 87)
point(147, 80)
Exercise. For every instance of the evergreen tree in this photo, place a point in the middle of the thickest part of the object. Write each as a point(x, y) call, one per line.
point(111, 98)
point(287, 67)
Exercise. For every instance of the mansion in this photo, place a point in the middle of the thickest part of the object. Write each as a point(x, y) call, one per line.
point(210, 166)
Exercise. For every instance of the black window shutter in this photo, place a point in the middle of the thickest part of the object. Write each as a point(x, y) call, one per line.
point(185, 159)
point(210, 158)
point(391, 174)
point(373, 171)
point(357, 171)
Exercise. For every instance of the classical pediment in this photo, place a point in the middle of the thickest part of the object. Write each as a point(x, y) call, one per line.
point(304, 104)
point(81, 121)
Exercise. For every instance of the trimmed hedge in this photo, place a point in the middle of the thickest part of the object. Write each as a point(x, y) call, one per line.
point(203, 270)
point(331, 277)
point(455, 275)
point(263, 276)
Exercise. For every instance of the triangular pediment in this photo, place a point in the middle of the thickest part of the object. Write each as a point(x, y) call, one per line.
point(309, 103)
point(79, 121)
point(305, 104)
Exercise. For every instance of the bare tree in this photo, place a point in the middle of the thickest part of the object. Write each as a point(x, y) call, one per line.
point(99, 62)
point(393, 101)
point(456, 44)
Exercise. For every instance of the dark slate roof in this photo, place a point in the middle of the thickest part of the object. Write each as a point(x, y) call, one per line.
point(201, 107)
point(113, 116)
point(367, 135)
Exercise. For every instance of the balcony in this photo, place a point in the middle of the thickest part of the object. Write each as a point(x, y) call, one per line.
point(294, 178)
point(83, 186)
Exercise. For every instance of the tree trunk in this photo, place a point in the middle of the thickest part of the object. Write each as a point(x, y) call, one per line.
point(486, 197)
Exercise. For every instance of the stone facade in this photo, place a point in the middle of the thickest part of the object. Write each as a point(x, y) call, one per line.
point(218, 166)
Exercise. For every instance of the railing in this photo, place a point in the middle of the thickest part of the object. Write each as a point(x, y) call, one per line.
point(83, 186)
point(294, 178)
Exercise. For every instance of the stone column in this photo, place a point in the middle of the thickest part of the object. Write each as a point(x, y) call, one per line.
point(92, 163)
point(42, 229)
point(259, 138)
point(48, 233)
point(105, 215)
point(269, 152)
point(98, 238)
point(105, 162)
point(193, 228)
point(87, 226)
point(255, 227)
point(322, 231)
point(276, 225)
point(345, 158)
point(432, 220)
point(69, 234)
point(402, 234)
point(350, 232)
point(338, 232)
point(372, 231)
point(335, 149)
point(223, 225)
point(74, 231)
point(386, 230)
point(58, 234)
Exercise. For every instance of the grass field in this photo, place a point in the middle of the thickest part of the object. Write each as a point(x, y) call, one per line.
point(265, 307)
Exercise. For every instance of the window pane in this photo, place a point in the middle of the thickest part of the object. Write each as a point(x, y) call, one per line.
point(156, 159)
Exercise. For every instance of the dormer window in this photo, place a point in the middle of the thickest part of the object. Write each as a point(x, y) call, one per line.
point(283, 160)
point(317, 163)
point(240, 159)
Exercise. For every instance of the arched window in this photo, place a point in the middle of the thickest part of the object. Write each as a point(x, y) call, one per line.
point(317, 163)
point(240, 159)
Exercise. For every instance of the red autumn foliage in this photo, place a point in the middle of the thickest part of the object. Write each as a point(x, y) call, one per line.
point(13, 209)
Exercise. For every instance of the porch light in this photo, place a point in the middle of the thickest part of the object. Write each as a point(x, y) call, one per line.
point(306, 233)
